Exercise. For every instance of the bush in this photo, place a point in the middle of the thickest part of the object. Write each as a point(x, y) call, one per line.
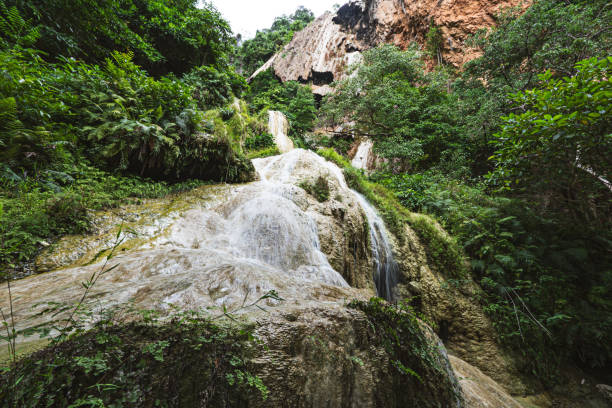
point(121, 116)
point(319, 189)
point(391, 99)
point(253, 53)
point(265, 152)
point(166, 37)
point(156, 367)
point(259, 141)
point(213, 88)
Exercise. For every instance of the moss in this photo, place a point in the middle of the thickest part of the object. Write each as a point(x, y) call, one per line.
point(187, 362)
point(422, 377)
point(134, 219)
point(319, 189)
point(266, 152)
point(443, 251)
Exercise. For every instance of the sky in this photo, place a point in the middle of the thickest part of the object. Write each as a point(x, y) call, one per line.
point(248, 16)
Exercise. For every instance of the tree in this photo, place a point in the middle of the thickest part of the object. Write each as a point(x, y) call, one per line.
point(165, 36)
point(562, 142)
point(255, 52)
point(551, 35)
point(391, 99)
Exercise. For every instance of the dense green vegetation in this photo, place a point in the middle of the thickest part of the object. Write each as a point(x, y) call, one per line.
point(105, 103)
point(407, 111)
point(253, 53)
point(165, 36)
point(89, 127)
point(141, 364)
point(512, 156)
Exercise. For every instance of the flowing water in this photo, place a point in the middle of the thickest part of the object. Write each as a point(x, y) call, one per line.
point(279, 127)
point(363, 156)
point(230, 245)
point(386, 270)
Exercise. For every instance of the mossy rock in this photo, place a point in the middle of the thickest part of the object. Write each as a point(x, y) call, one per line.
point(184, 363)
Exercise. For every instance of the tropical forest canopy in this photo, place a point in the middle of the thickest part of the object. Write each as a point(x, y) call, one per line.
point(103, 103)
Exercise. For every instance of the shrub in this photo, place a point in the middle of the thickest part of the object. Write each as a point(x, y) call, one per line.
point(319, 189)
point(156, 367)
point(265, 152)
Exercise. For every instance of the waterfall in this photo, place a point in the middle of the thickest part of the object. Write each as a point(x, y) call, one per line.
point(386, 270)
point(225, 245)
point(363, 156)
point(279, 127)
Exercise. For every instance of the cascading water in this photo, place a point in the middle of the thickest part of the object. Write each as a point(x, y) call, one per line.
point(363, 155)
point(386, 270)
point(230, 245)
point(279, 127)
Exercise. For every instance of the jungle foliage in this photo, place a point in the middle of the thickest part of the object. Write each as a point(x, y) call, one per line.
point(512, 157)
point(103, 103)
point(164, 36)
point(63, 120)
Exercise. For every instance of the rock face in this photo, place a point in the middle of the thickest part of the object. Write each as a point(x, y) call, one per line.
point(227, 245)
point(321, 52)
point(461, 323)
point(332, 358)
point(479, 390)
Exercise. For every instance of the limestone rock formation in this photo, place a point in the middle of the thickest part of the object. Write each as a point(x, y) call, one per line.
point(227, 245)
point(479, 390)
point(452, 307)
point(321, 52)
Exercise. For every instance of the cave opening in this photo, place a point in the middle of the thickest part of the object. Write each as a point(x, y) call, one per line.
point(322, 78)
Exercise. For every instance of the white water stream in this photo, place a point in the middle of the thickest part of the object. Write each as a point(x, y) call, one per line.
point(279, 127)
point(386, 270)
point(363, 156)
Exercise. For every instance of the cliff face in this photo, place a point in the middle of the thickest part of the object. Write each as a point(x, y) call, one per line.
point(320, 53)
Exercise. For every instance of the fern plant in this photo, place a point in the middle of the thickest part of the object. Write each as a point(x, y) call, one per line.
point(14, 30)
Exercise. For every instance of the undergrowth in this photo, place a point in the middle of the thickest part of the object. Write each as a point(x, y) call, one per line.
point(140, 364)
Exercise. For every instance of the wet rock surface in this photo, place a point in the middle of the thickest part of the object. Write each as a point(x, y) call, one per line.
point(228, 245)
